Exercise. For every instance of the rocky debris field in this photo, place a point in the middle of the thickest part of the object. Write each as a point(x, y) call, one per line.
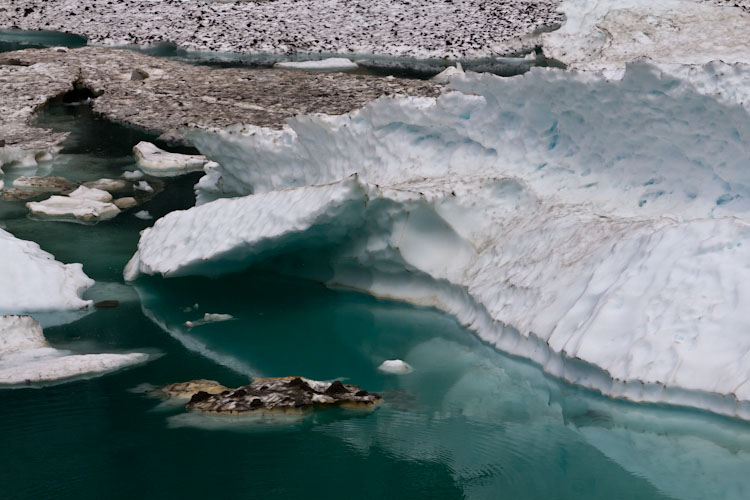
point(162, 96)
point(405, 28)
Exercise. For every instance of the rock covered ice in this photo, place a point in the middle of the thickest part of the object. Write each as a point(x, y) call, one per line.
point(599, 228)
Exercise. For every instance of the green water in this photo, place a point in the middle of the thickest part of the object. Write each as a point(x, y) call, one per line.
point(469, 422)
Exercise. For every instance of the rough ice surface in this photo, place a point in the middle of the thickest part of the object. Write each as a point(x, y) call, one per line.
point(329, 64)
point(32, 280)
point(160, 163)
point(26, 358)
point(395, 366)
point(599, 229)
point(604, 35)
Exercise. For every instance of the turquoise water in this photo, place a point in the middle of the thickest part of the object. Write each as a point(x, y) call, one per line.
point(469, 422)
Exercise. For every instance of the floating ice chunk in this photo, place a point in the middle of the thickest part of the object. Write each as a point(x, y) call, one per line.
point(112, 186)
point(209, 318)
point(34, 281)
point(86, 193)
point(57, 185)
point(78, 209)
point(143, 214)
point(26, 358)
point(251, 227)
point(449, 72)
point(395, 366)
point(126, 202)
point(144, 186)
point(160, 163)
point(133, 175)
point(330, 64)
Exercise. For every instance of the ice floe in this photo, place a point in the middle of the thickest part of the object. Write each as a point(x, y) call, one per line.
point(27, 359)
point(34, 281)
point(79, 209)
point(160, 163)
point(597, 229)
point(395, 366)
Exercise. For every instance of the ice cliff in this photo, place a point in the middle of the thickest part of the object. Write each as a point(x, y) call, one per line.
point(599, 228)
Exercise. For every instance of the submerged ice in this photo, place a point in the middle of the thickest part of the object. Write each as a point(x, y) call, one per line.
point(596, 227)
point(26, 358)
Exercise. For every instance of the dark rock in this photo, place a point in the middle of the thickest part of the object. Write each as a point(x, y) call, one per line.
point(256, 403)
point(107, 304)
point(335, 388)
point(199, 397)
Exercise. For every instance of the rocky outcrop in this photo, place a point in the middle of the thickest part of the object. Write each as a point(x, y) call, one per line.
point(277, 394)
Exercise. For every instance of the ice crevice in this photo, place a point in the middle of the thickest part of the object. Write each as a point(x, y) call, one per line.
point(596, 227)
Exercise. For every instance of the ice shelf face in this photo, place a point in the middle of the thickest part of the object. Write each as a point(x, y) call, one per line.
point(32, 280)
point(606, 34)
point(599, 228)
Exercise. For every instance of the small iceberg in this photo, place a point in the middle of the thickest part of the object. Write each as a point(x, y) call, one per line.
point(395, 367)
point(76, 209)
point(26, 358)
point(209, 318)
point(330, 64)
point(86, 193)
point(159, 163)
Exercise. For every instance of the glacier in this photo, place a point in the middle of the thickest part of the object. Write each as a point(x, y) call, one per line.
point(596, 227)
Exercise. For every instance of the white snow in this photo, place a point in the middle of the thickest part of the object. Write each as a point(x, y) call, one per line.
point(26, 358)
point(606, 223)
point(78, 209)
point(395, 366)
point(159, 163)
point(85, 193)
point(329, 64)
point(32, 280)
point(604, 35)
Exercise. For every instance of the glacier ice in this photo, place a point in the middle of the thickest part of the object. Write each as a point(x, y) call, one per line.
point(597, 227)
point(34, 281)
point(604, 35)
point(26, 358)
point(395, 366)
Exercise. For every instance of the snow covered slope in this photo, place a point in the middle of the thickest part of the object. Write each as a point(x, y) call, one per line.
point(32, 280)
point(600, 228)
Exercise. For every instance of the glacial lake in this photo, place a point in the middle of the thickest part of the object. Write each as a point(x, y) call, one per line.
point(469, 422)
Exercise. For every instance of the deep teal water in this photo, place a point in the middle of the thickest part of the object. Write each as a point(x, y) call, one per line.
point(469, 422)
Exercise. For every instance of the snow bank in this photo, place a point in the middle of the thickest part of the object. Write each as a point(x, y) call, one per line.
point(607, 34)
point(330, 64)
point(32, 280)
point(600, 229)
point(26, 358)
